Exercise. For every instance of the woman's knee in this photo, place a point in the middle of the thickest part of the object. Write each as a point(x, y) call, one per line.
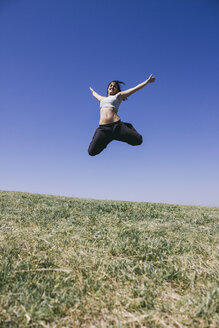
point(92, 151)
point(137, 140)
point(140, 140)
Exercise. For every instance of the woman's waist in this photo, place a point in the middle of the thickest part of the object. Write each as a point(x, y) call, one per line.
point(106, 118)
point(110, 124)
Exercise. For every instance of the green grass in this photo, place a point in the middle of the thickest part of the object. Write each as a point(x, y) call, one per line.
point(68, 262)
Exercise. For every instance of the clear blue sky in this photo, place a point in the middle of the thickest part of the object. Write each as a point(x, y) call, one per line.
point(52, 51)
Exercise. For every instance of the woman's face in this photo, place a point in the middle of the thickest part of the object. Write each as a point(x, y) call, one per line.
point(113, 89)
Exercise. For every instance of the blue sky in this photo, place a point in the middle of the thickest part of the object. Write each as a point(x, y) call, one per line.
point(52, 51)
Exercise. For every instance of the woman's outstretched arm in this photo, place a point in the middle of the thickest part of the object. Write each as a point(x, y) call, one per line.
point(129, 92)
point(96, 95)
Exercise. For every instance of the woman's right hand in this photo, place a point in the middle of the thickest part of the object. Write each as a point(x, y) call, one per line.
point(92, 90)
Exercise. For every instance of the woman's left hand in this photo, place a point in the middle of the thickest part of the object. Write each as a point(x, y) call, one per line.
point(151, 79)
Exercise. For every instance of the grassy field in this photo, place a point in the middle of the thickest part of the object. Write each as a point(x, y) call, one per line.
point(68, 262)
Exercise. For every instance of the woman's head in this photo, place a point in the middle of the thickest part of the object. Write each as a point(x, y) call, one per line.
point(114, 87)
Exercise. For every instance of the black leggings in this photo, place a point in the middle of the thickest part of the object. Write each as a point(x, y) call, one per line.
point(114, 131)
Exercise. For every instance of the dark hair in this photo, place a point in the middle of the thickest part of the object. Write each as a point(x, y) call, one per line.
point(117, 84)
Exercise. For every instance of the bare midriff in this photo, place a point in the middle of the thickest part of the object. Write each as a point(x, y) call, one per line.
point(108, 115)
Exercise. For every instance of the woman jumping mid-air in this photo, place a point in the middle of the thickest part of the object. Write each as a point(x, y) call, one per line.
point(110, 126)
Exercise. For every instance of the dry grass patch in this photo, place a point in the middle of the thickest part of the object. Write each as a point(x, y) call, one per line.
point(68, 262)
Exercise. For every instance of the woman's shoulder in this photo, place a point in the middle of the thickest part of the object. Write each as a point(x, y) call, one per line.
point(119, 96)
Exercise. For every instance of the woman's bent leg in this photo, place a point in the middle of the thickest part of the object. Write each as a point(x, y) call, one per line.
point(100, 140)
point(126, 132)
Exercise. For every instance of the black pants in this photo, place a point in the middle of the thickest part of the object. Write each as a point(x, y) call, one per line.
point(114, 131)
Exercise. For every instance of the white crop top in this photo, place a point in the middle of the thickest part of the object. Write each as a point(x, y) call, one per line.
point(110, 101)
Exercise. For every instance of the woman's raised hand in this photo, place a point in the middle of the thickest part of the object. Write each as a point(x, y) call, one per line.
point(92, 90)
point(151, 79)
